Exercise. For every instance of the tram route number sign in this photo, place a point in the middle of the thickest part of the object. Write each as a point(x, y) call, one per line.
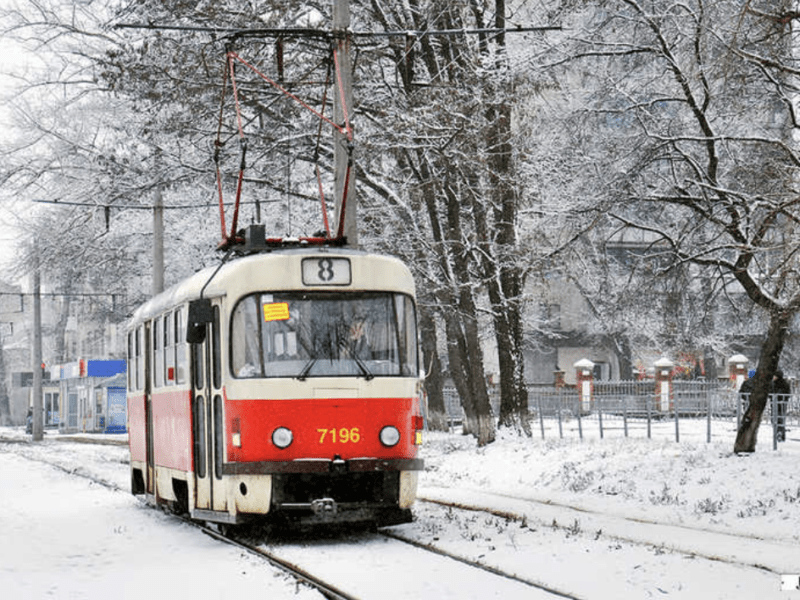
point(326, 270)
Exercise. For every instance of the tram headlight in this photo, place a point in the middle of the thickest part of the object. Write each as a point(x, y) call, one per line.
point(389, 435)
point(282, 437)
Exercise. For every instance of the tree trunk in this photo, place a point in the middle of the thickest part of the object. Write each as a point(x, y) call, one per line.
point(481, 421)
point(709, 364)
point(747, 435)
point(505, 281)
point(457, 357)
point(434, 382)
point(622, 350)
point(440, 177)
point(60, 331)
point(503, 276)
point(459, 309)
point(508, 330)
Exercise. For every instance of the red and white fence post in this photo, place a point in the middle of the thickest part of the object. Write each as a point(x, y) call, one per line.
point(584, 378)
point(663, 372)
point(737, 369)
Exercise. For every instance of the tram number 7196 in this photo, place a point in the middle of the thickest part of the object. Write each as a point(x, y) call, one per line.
point(340, 436)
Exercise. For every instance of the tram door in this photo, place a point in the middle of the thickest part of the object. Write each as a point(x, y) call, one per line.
point(207, 418)
point(148, 410)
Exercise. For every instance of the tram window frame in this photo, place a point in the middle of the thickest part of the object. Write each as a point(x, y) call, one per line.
point(219, 436)
point(135, 366)
point(180, 346)
point(130, 361)
point(169, 351)
point(198, 365)
point(396, 353)
point(199, 424)
point(158, 358)
point(139, 357)
point(406, 317)
point(216, 358)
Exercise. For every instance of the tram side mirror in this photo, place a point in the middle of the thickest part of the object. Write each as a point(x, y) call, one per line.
point(200, 314)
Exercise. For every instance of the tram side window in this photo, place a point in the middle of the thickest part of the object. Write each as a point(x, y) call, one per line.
point(198, 366)
point(131, 363)
point(169, 352)
point(139, 358)
point(216, 358)
point(158, 357)
point(407, 327)
point(246, 349)
point(199, 424)
point(219, 437)
point(180, 347)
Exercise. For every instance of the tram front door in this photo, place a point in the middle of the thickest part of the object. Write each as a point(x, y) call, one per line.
point(207, 417)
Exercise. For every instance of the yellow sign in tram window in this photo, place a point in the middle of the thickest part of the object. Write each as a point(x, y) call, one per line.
point(278, 311)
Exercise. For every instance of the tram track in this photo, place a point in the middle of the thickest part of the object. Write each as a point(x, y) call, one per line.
point(336, 592)
point(329, 591)
point(730, 548)
point(260, 548)
point(67, 438)
point(479, 565)
point(438, 533)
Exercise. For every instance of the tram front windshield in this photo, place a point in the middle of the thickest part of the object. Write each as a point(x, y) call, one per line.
point(303, 334)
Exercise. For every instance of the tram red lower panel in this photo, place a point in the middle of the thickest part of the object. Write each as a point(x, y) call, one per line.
point(136, 427)
point(172, 429)
point(321, 428)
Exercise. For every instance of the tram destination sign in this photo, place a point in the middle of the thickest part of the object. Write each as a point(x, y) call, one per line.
point(326, 270)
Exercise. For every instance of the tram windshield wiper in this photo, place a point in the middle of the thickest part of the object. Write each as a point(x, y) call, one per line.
point(304, 373)
point(313, 360)
point(363, 366)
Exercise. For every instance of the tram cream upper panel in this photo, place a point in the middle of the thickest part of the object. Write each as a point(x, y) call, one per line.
point(281, 270)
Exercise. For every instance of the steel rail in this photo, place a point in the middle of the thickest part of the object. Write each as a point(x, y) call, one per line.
point(329, 591)
point(479, 565)
point(326, 589)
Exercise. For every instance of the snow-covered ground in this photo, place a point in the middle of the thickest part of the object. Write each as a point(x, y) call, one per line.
point(610, 518)
point(583, 503)
point(65, 538)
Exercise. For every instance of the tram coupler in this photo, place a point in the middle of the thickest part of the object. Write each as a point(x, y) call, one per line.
point(324, 507)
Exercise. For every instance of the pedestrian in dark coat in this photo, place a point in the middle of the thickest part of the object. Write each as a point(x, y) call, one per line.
point(744, 392)
point(781, 391)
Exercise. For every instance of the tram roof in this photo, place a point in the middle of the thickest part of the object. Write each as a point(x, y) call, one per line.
point(279, 270)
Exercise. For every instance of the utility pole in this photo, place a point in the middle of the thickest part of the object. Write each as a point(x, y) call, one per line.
point(343, 100)
point(158, 243)
point(37, 424)
point(5, 407)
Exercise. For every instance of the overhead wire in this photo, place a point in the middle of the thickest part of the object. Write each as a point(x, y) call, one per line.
point(233, 58)
point(314, 39)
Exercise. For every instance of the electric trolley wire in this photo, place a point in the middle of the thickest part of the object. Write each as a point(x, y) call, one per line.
point(336, 40)
point(311, 32)
point(66, 294)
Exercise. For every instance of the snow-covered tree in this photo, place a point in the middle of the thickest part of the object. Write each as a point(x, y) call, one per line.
point(694, 103)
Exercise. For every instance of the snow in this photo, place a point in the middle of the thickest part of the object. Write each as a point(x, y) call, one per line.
point(627, 517)
point(599, 518)
point(64, 537)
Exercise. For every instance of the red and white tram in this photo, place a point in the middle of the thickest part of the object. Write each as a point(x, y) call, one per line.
point(297, 398)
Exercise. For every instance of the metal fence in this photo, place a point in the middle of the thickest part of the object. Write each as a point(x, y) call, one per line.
point(636, 407)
